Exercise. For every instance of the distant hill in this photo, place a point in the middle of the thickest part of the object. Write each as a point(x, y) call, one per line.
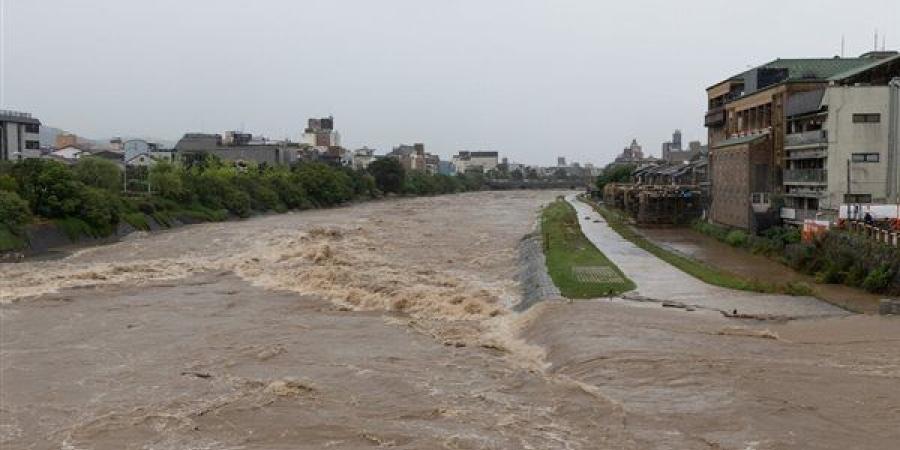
point(49, 134)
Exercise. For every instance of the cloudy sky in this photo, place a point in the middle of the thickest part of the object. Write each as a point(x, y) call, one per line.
point(531, 79)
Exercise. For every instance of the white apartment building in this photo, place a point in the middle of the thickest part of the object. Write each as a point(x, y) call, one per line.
point(487, 161)
point(842, 147)
point(19, 135)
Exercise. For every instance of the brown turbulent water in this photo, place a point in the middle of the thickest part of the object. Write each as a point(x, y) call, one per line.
point(388, 324)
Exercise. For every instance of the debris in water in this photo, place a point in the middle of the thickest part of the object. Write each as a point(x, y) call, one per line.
point(289, 387)
point(197, 374)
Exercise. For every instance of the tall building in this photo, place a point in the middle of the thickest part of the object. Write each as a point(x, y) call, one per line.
point(676, 140)
point(321, 133)
point(19, 135)
point(561, 161)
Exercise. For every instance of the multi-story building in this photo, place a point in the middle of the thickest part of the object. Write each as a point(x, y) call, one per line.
point(362, 158)
point(19, 135)
point(194, 146)
point(674, 154)
point(476, 161)
point(633, 155)
point(747, 123)
point(411, 157)
point(842, 143)
point(320, 133)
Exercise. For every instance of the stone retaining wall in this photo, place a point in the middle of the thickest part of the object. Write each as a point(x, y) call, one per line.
point(533, 278)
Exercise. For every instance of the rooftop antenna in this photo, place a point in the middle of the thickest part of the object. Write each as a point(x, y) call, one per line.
point(843, 41)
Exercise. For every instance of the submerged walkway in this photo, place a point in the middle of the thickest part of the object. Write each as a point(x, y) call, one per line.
point(659, 280)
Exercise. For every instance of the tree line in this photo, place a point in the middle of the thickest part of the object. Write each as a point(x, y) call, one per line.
point(89, 197)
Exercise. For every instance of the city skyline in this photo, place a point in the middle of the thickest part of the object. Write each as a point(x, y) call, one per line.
point(532, 80)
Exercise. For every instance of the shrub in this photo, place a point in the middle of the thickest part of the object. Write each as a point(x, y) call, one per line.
point(98, 172)
point(879, 279)
point(137, 220)
point(798, 288)
point(99, 208)
point(388, 174)
point(325, 185)
point(736, 238)
point(167, 181)
point(14, 212)
point(8, 183)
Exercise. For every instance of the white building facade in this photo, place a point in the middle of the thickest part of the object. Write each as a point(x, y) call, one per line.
point(19, 135)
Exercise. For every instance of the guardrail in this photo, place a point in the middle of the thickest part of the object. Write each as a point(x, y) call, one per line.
point(882, 235)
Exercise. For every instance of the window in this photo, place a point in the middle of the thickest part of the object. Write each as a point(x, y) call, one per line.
point(866, 118)
point(32, 145)
point(866, 157)
point(32, 128)
point(760, 198)
point(857, 198)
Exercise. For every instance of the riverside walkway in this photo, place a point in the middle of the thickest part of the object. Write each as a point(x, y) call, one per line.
point(658, 280)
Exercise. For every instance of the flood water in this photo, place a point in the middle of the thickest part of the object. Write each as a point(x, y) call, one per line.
point(757, 267)
point(389, 324)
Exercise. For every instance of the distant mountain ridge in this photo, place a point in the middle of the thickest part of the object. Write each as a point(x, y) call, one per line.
point(48, 139)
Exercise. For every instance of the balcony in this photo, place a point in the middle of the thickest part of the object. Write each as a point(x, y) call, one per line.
point(806, 138)
point(799, 215)
point(715, 117)
point(819, 176)
point(806, 153)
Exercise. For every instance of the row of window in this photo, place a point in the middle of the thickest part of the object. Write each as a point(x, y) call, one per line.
point(857, 198)
point(867, 118)
point(865, 157)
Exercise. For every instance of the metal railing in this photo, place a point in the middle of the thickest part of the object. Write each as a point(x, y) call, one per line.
point(806, 176)
point(806, 138)
point(883, 235)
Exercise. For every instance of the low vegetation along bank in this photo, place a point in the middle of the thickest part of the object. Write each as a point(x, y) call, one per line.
point(88, 199)
point(576, 266)
point(618, 222)
point(837, 257)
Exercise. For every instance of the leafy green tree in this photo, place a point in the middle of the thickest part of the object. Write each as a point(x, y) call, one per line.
point(49, 187)
point(326, 185)
point(100, 208)
point(167, 180)
point(389, 175)
point(14, 211)
point(99, 172)
point(615, 174)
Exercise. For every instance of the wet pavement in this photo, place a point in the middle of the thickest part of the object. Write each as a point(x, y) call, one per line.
point(756, 267)
point(391, 324)
point(657, 279)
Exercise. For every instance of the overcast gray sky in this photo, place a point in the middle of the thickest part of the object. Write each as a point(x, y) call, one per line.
point(531, 79)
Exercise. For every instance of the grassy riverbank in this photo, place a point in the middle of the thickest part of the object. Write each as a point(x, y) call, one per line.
point(576, 266)
point(618, 222)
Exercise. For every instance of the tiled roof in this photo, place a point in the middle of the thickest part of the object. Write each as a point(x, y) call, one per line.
point(856, 70)
point(817, 68)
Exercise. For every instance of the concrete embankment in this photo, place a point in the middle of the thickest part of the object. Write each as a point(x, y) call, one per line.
point(535, 281)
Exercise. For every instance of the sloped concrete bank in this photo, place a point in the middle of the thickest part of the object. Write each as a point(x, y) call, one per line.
point(46, 237)
point(533, 277)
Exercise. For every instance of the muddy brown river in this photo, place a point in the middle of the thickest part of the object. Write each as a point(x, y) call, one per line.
point(390, 324)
